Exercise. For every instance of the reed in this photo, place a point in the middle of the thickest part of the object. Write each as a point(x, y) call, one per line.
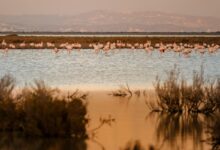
point(169, 92)
point(194, 94)
point(175, 94)
point(213, 95)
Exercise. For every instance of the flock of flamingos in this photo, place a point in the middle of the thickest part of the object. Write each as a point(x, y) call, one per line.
point(183, 48)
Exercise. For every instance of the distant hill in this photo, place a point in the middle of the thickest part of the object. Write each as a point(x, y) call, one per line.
point(106, 21)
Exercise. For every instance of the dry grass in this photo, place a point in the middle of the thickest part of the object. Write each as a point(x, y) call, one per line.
point(7, 84)
point(194, 94)
point(8, 114)
point(213, 95)
point(177, 95)
point(168, 92)
point(124, 91)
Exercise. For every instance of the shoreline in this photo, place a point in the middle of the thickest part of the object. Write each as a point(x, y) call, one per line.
point(89, 90)
point(86, 41)
point(108, 33)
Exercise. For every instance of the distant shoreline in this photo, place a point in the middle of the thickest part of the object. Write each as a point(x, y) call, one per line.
point(115, 33)
point(85, 41)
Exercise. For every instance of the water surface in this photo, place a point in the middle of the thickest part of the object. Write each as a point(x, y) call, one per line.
point(87, 69)
point(91, 70)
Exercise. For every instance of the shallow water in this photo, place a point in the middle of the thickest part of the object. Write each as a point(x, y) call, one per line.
point(103, 71)
point(95, 71)
point(133, 121)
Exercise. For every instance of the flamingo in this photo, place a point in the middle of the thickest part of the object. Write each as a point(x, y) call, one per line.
point(187, 51)
point(69, 47)
point(50, 44)
point(6, 50)
point(112, 46)
point(56, 50)
point(4, 43)
point(32, 44)
point(22, 45)
point(39, 45)
point(12, 46)
point(141, 46)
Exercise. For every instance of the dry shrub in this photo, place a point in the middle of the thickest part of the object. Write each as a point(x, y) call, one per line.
point(177, 95)
point(169, 92)
point(40, 111)
point(8, 113)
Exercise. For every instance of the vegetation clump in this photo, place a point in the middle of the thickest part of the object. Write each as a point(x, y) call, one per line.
point(175, 94)
point(8, 111)
point(124, 91)
point(169, 93)
point(41, 111)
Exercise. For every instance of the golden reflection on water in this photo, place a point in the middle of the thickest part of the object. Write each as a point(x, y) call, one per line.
point(134, 123)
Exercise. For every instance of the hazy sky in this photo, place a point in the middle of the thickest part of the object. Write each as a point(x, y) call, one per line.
point(71, 7)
